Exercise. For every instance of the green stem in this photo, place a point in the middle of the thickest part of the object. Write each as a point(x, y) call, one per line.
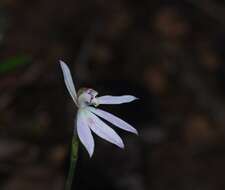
point(73, 161)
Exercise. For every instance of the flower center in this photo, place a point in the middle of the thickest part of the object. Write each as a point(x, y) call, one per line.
point(86, 97)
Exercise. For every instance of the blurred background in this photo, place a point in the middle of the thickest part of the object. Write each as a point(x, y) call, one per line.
point(169, 53)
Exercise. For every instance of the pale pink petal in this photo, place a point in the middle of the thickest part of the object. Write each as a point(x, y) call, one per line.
point(103, 130)
point(69, 81)
point(115, 99)
point(113, 119)
point(84, 133)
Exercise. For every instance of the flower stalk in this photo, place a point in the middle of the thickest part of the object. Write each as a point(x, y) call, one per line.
point(73, 162)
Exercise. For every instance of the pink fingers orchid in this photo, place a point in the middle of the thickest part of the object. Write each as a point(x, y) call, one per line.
point(88, 116)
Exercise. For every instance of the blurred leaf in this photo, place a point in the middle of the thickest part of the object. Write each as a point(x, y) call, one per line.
point(13, 63)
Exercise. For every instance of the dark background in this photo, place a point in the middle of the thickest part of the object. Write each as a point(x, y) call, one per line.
point(168, 53)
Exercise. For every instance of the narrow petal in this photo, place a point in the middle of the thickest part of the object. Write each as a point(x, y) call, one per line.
point(103, 130)
point(68, 81)
point(115, 99)
point(84, 133)
point(113, 119)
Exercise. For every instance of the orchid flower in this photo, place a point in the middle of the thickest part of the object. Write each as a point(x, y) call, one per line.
point(88, 116)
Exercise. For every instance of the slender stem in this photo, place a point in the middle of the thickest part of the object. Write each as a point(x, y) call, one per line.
point(73, 161)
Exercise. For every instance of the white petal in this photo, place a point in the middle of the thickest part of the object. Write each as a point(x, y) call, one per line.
point(115, 99)
point(69, 81)
point(84, 133)
point(113, 119)
point(103, 130)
